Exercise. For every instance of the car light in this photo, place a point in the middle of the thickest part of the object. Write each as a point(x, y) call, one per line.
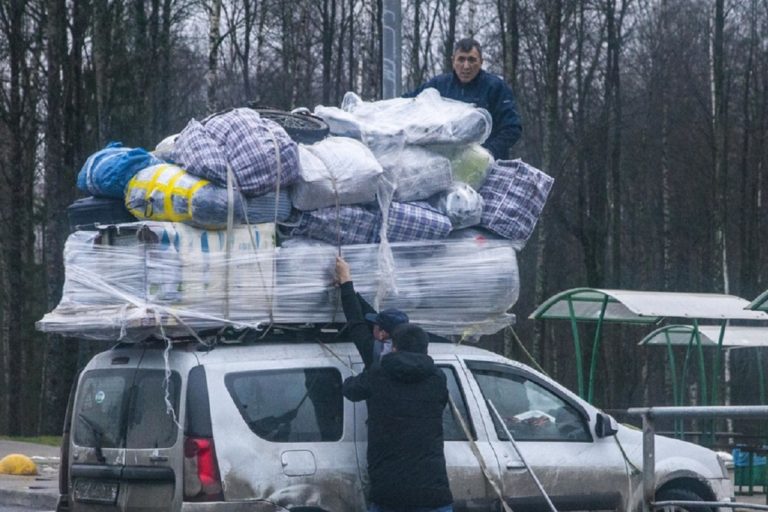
point(201, 471)
point(722, 460)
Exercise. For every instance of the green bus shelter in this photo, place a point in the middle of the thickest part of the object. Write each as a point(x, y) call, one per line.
point(594, 305)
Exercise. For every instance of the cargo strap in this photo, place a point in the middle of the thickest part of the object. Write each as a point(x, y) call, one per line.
point(496, 416)
point(479, 456)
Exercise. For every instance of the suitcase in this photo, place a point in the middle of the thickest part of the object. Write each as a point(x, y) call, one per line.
point(85, 213)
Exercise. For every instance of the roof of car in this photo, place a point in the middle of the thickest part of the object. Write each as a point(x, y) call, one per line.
point(267, 351)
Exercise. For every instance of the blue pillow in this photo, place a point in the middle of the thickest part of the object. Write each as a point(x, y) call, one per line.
point(107, 172)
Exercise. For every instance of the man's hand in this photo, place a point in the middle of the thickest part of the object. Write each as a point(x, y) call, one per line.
point(342, 271)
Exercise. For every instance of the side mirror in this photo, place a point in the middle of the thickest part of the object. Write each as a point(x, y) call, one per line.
point(605, 425)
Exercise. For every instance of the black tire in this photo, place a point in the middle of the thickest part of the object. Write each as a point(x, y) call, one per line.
point(678, 494)
point(303, 128)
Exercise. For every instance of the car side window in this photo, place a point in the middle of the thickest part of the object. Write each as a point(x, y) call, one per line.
point(293, 405)
point(452, 430)
point(530, 411)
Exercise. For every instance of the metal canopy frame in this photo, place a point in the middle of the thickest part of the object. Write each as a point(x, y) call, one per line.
point(760, 303)
point(734, 337)
point(598, 306)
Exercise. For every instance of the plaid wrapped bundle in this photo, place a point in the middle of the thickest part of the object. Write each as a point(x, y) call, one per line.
point(355, 225)
point(515, 194)
point(249, 143)
point(416, 221)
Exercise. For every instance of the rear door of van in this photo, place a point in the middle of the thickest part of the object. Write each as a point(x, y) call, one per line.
point(125, 446)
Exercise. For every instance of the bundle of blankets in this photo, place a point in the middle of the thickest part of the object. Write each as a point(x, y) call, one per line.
point(236, 221)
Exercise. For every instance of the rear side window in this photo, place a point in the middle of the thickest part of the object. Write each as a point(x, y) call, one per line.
point(296, 405)
point(126, 408)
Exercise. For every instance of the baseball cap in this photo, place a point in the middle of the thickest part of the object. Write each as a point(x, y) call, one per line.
point(388, 319)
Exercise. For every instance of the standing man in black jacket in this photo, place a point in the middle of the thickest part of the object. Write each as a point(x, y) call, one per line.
point(406, 395)
point(469, 83)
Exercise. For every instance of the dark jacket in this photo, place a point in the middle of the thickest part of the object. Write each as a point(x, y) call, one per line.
point(490, 92)
point(357, 329)
point(406, 395)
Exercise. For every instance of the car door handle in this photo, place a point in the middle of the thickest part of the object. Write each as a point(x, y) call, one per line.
point(515, 464)
point(158, 458)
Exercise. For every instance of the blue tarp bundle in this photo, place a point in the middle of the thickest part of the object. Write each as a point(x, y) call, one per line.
point(107, 172)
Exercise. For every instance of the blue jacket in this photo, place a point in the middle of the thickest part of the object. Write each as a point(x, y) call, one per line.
point(487, 91)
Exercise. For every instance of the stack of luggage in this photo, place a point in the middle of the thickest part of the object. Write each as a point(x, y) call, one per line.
point(232, 222)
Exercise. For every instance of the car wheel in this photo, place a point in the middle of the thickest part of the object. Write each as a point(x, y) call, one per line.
point(303, 127)
point(677, 494)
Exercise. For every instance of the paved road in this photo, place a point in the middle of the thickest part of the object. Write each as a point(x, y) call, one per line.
point(30, 493)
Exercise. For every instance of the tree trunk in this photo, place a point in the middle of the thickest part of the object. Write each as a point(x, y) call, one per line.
point(214, 38)
point(720, 150)
point(553, 24)
point(450, 36)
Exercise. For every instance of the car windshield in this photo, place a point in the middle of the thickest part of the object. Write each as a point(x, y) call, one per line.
point(126, 408)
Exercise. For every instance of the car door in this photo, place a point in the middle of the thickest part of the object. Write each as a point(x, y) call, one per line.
point(470, 488)
point(280, 433)
point(555, 434)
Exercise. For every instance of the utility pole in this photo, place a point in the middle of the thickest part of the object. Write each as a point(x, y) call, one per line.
point(392, 44)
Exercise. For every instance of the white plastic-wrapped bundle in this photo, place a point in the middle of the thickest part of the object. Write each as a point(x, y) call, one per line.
point(418, 173)
point(426, 119)
point(448, 287)
point(335, 170)
point(126, 280)
point(462, 204)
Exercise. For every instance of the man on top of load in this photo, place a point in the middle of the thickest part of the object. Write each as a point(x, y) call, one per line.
point(469, 83)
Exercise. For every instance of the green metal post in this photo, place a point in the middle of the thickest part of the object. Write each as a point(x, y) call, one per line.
point(577, 347)
point(702, 369)
point(675, 388)
point(595, 348)
point(716, 362)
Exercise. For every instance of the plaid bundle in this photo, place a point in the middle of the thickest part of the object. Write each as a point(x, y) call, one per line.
point(515, 194)
point(355, 225)
point(416, 221)
point(249, 143)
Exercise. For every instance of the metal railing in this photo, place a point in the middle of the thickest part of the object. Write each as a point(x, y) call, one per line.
point(650, 414)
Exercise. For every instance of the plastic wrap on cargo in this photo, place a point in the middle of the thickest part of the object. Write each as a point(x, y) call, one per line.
point(448, 287)
point(107, 172)
point(418, 173)
point(335, 170)
point(461, 204)
point(470, 164)
point(166, 192)
point(426, 119)
point(515, 194)
point(124, 281)
point(127, 281)
point(258, 150)
point(164, 149)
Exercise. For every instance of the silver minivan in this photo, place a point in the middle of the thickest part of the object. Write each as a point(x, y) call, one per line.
point(264, 427)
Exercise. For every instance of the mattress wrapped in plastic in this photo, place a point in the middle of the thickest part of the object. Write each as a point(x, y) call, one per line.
point(461, 204)
point(515, 194)
point(124, 281)
point(260, 153)
point(132, 281)
point(457, 286)
point(166, 192)
point(336, 170)
point(426, 119)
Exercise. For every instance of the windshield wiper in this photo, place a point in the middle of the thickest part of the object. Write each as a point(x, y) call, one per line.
point(98, 435)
